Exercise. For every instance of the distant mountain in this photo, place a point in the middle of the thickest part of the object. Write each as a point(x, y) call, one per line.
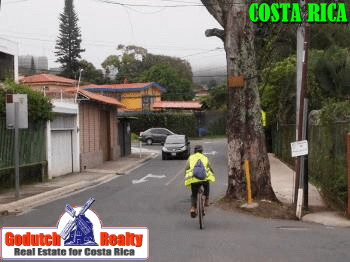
point(204, 76)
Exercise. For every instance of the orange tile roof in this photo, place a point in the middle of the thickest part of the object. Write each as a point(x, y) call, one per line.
point(103, 99)
point(177, 104)
point(44, 78)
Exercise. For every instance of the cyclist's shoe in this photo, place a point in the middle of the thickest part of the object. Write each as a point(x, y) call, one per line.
point(193, 212)
point(206, 202)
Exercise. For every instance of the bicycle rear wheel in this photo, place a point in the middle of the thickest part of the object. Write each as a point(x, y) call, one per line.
point(200, 206)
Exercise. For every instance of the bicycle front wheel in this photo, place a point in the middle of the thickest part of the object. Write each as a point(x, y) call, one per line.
point(200, 206)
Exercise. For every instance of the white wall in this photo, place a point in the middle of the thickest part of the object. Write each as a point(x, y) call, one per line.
point(67, 119)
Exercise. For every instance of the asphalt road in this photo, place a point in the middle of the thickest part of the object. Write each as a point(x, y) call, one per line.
point(161, 202)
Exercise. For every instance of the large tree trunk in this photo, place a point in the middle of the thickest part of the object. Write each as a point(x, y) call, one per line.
point(246, 139)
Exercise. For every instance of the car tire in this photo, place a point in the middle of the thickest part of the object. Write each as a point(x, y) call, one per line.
point(164, 157)
point(149, 141)
point(186, 155)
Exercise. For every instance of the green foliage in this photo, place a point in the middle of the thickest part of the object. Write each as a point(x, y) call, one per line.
point(327, 155)
point(335, 112)
point(328, 79)
point(177, 88)
point(182, 67)
point(39, 107)
point(218, 128)
point(332, 72)
point(179, 123)
point(137, 65)
point(68, 43)
point(217, 98)
point(134, 137)
point(91, 74)
point(277, 90)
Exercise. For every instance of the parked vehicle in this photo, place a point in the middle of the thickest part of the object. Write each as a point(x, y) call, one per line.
point(155, 135)
point(176, 146)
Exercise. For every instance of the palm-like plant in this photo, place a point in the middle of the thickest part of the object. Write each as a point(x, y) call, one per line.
point(333, 73)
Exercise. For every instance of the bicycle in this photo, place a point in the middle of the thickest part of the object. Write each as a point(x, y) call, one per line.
point(200, 206)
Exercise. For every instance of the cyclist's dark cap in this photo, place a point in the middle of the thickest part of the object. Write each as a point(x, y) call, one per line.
point(198, 148)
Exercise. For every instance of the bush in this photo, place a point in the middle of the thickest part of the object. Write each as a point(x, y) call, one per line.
point(180, 123)
point(39, 107)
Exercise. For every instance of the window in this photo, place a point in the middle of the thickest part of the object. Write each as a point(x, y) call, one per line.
point(147, 100)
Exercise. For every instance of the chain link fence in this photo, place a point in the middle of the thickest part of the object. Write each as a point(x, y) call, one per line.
point(327, 156)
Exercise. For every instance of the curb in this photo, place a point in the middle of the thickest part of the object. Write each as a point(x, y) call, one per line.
point(46, 197)
point(330, 219)
point(51, 195)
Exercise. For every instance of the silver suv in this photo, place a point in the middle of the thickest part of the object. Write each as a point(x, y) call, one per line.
point(155, 135)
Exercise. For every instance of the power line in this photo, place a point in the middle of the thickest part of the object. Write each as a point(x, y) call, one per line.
point(110, 43)
point(212, 50)
point(14, 2)
point(143, 5)
point(191, 4)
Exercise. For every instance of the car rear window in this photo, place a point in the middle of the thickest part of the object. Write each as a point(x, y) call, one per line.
point(175, 139)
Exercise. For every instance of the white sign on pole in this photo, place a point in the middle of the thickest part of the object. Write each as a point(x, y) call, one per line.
point(22, 116)
point(299, 148)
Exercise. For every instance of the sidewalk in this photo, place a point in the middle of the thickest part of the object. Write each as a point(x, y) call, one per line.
point(282, 179)
point(41, 193)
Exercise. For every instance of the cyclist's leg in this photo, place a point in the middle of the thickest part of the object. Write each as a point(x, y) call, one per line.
point(194, 189)
point(206, 192)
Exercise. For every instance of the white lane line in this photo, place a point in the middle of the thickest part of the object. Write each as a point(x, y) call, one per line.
point(182, 171)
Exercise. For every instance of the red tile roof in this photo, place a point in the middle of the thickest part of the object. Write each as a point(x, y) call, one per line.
point(103, 99)
point(45, 78)
point(177, 104)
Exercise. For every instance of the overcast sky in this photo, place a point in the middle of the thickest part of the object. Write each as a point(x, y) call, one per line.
point(168, 27)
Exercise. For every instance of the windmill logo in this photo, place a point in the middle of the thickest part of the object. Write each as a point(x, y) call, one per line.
point(78, 235)
point(79, 231)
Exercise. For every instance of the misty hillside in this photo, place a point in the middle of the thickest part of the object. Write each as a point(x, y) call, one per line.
point(205, 76)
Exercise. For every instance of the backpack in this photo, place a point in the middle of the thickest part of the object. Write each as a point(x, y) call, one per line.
point(199, 170)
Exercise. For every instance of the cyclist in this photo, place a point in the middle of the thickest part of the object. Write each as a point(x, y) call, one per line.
point(195, 183)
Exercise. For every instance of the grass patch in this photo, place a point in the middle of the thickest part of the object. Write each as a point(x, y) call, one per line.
point(134, 137)
point(208, 137)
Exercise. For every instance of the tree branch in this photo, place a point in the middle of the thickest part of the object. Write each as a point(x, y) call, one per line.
point(215, 32)
point(215, 9)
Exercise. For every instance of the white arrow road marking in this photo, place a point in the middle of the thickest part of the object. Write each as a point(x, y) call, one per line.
point(147, 176)
point(211, 153)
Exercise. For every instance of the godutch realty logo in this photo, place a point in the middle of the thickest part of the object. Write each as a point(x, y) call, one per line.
point(79, 234)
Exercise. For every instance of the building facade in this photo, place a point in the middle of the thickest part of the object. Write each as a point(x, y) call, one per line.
point(135, 96)
point(8, 59)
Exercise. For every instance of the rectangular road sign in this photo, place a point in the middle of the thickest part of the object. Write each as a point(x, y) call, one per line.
point(22, 114)
point(299, 148)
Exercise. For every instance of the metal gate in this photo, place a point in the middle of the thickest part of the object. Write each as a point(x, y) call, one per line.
point(62, 152)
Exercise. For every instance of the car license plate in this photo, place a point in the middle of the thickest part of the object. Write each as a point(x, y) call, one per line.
point(173, 154)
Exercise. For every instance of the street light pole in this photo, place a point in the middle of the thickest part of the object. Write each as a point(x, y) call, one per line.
point(76, 96)
point(299, 187)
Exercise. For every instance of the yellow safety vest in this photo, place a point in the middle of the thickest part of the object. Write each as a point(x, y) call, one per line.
point(192, 160)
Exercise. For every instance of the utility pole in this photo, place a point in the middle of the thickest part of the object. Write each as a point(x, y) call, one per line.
point(301, 96)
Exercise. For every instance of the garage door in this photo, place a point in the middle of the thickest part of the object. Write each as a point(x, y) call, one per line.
point(62, 159)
